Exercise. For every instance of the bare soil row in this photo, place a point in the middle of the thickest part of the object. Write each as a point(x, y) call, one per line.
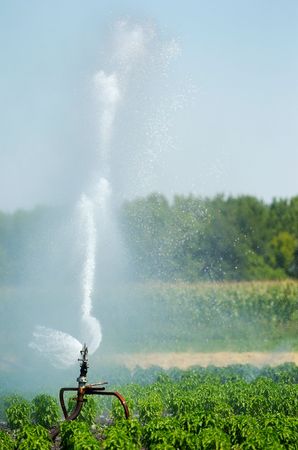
point(185, 360)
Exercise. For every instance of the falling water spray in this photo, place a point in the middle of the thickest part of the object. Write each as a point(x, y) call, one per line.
point(131, 45)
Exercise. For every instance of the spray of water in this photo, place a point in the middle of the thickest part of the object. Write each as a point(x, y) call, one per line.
point(93, 209)
point(108, 97)
point(132, 47)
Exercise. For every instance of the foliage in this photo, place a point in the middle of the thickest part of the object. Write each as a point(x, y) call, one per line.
point(88, 412)
point(117, 411)
point(6, 441)
point(204, 316)
point(124, 434)
point(33, 437)
point(189, 239)
point(150, 407)
point(235, 407)
point(18, 413)
point(281, 251)
point(46, 411)
point(216, 239)
point(76, 435)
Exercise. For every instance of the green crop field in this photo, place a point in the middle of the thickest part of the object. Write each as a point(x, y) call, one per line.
point(237, 407)
point(247, 316)
point(163, 317)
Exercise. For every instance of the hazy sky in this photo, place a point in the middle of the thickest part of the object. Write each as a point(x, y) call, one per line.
point(236, 77)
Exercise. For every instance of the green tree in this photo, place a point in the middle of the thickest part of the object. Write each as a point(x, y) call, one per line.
point(281, 251)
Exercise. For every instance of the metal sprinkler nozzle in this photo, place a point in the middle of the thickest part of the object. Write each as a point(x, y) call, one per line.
point(82, 390)
point(82, 379)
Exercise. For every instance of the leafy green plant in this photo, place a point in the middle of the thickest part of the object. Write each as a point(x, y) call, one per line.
point(150, 407)
point(6, 441)
point(33, 437)
point(117, 411)
point(214, 439)
point(157, 431)
point(123, 434)
point(76, 436)
point(88, 412)
point(118, 438)
point(237, 407)
point(18, 413)
point(46, 411)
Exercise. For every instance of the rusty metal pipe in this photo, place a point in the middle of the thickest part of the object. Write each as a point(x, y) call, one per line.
point(120, 398)
point(77, 409)
point(61, 398)
point(82, 390)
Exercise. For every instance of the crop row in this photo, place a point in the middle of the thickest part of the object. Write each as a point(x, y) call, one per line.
point(195, 409)
point(200, 317)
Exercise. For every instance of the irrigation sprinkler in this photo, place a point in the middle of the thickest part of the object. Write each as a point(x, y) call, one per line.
point(85, 389)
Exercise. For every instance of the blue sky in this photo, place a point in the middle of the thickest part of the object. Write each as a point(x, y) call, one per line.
point(237, 71)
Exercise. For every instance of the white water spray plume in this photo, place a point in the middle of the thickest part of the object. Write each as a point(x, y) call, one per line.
point(133, 46)
point(60, 348)
point(130, 43)
point(108, 97)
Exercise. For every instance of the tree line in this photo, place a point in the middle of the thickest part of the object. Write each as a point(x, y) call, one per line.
point(188, 238)
point(219, 238)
